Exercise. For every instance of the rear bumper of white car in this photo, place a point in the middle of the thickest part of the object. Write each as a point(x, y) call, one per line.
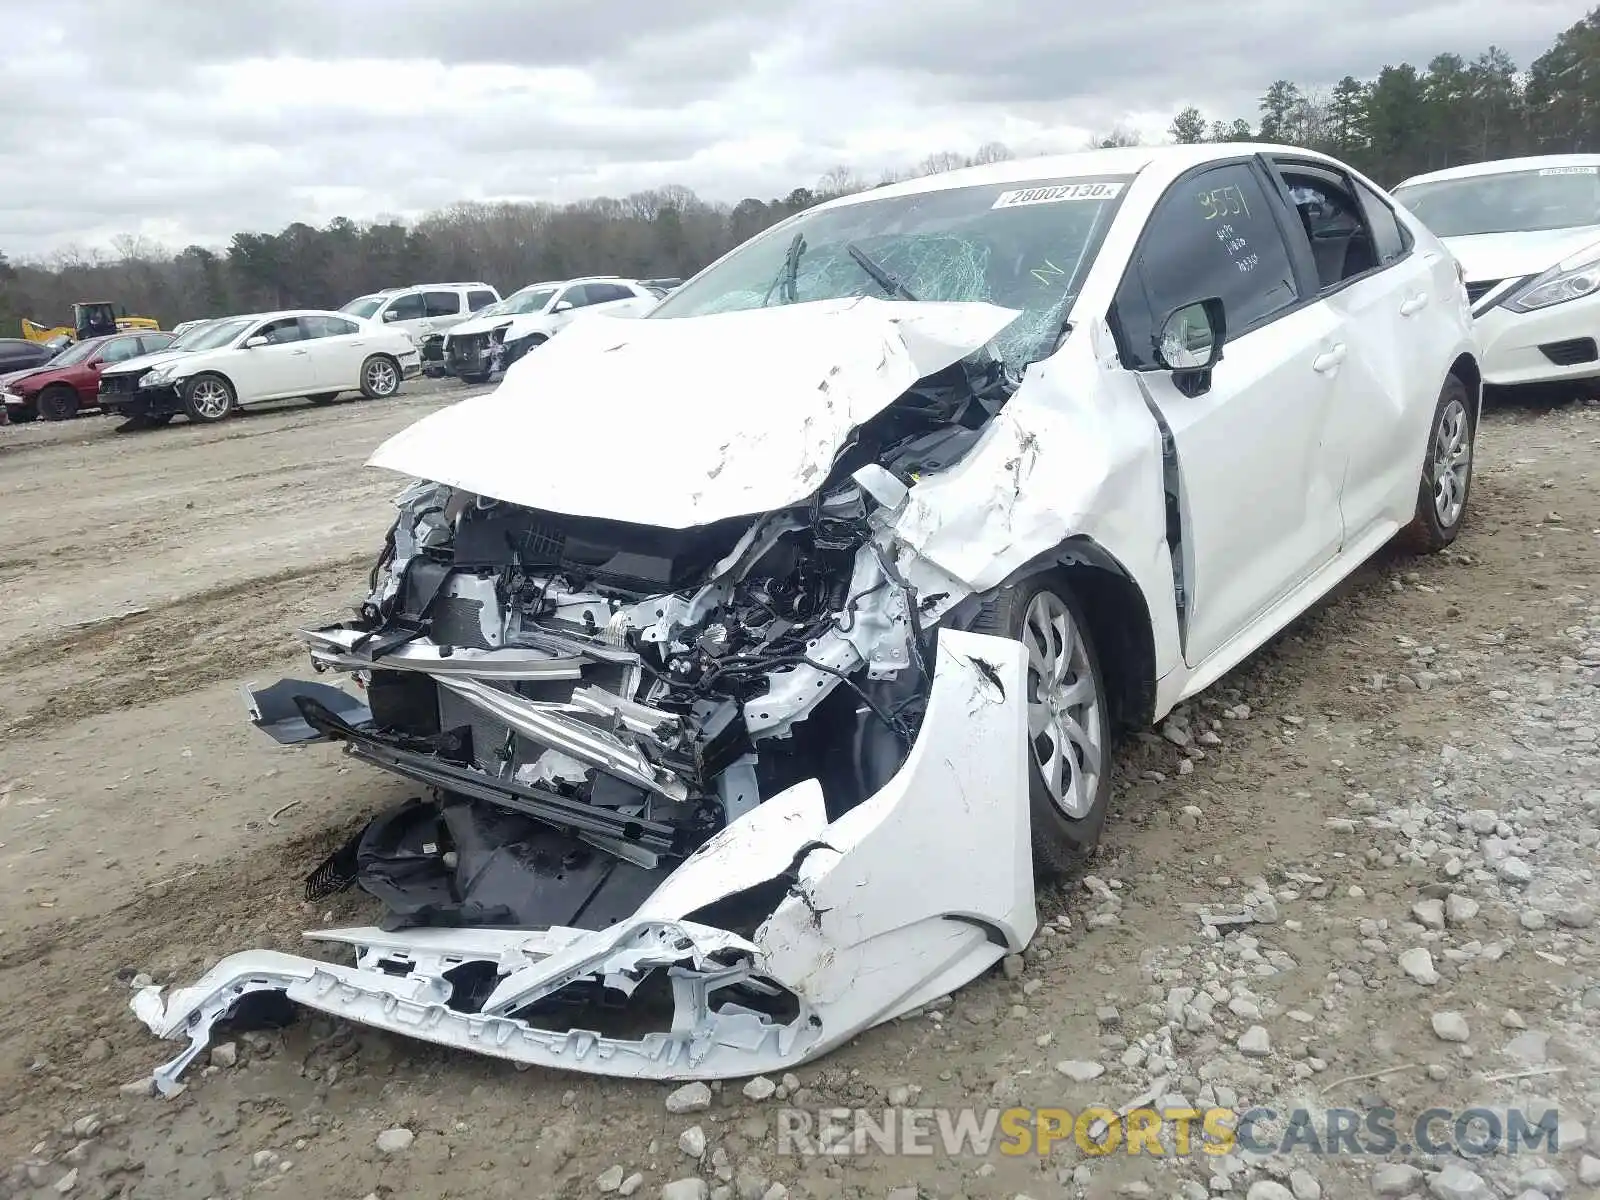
point(1551, 345)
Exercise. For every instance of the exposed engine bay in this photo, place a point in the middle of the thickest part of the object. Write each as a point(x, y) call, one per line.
point(666, 681)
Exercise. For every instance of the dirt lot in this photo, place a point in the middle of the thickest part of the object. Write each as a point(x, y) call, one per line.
point(1422, 744)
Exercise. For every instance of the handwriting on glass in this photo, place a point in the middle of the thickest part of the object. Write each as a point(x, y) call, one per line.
point(1223, 202)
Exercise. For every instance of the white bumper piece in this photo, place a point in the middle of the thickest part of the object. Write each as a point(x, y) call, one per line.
point(909, 895)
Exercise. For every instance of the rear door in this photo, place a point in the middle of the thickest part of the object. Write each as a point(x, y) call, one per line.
point(1258, 497)
point(338, 347)
point(1386, 295)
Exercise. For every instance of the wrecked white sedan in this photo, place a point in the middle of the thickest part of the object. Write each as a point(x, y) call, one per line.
point(754, 656)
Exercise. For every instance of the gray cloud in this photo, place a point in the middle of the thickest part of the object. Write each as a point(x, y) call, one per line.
point(201, 118)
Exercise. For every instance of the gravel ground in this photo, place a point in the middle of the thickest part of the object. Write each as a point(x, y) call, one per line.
point(1358, 873)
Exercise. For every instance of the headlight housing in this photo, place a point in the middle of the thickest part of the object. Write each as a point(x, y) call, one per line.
point(1559, 284)
point(159, 377)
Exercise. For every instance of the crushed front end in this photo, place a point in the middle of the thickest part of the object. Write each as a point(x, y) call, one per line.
point(686, 788)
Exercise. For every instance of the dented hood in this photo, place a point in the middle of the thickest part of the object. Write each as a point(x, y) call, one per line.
point(678, 422)
point(1494, 256)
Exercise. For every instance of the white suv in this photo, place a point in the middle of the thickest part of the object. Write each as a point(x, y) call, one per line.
point(425, 310)
point(495, 338)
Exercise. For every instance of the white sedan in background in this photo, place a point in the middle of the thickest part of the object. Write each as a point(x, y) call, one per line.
point(1526, 232)
point(263, 356)
point(497, 337)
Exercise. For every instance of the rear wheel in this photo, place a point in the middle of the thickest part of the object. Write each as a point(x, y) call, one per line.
point(1069, 724)
point(208, 398)
point(380, 377)
point(475, 377)
point(58, 403)
point(18, 415)
point(1446, 472)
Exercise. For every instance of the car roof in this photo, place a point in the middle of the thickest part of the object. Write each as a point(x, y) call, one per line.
point(1166, 161)
point(1504, 166)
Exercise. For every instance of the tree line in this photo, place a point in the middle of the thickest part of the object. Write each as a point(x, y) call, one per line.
point(1401, 122)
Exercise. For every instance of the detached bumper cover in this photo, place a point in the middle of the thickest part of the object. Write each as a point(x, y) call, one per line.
point(847, 931)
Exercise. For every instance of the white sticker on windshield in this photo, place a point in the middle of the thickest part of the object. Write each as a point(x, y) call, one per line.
point(1058, 194)
point(1571, 171)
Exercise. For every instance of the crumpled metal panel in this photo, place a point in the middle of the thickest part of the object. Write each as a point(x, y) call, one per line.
point(858, 938)
point(725, 415)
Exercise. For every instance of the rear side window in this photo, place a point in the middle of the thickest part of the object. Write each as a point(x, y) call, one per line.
point(321, 327)
point(575, 296)
point(406, 308)
point(1213, 234)
point(155, 341)
point(479, 299)
point(441, 304)
point(1391, 239)
point(604, 293)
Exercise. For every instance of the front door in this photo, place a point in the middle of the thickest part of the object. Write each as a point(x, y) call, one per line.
point(1259, 499)
point(283, 367)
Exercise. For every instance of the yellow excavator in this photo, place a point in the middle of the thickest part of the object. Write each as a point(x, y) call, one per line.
point(90, 318)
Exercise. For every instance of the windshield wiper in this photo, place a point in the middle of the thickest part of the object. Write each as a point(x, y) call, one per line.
point(882, 278)
point(789, 273)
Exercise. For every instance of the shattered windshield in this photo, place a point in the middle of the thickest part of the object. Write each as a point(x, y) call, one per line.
point(365, 306)
point(1025, 246)
point(521, 303)
point(1510, 202)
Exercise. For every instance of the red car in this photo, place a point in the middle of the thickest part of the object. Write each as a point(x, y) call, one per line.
point(70, 381)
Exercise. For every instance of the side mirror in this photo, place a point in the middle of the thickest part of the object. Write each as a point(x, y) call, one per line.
point(255, 342)
point(562, 306)
point(390, 314)
point(1190, 344)
point(1192, 336)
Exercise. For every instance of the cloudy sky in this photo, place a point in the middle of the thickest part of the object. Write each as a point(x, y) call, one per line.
point(185, 120)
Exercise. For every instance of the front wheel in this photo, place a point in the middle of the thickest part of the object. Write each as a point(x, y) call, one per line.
point(1069, 725)
point(380, 377)
point(208, 398)
point(58, 403)
point(1446, 472)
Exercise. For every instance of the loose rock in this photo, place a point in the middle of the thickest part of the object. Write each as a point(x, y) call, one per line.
point(1418, 964)
point(691, 1097)
point(1450, 1027)
point(395, 1141)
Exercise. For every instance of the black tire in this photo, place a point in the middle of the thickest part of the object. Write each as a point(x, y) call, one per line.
point(1060, 840)
point(1455, 417)
point(208, 397)
point(323, 398)
point(475, 377)
point(380, 377)
point(18, 415)
point(58, 402)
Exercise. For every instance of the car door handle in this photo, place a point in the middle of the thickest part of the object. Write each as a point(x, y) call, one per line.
point(358, 343)
point(300, 352)
point(1414, 305)
point(1329, 362)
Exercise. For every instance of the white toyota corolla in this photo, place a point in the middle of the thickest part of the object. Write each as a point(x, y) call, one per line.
point(756, 653)
point(1527, 234)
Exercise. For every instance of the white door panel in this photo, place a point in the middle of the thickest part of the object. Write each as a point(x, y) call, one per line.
point(270, 372)
point(1380, 392)
point(1260, 495)
point(338, 360)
